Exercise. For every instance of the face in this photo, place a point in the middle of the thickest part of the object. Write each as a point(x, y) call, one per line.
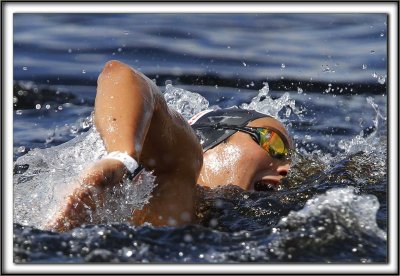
point(243, 162)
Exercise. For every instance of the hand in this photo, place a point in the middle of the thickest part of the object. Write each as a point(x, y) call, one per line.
point(88, 194)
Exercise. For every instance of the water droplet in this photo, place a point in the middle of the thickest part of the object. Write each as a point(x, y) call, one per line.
point(126, 32)
point(60, 107)
point(119, 49)
point(15, 99)
point(188, 238)
point(299, 90)
point(73, 129)
point(372, 52)
point(244, 64)
point(283, 66)
point(48, 106)
point(69, 50)
point(38, 106)
point(24, 68)
point(180, 254)
point(382, 34)
point(288, 112)
point(374, 75)
point(213, 222)
point(83, 71)
point(85, 124)
point(21, 149)
point(382, 79)
point(18, 112)
point(228, 47)
point(50, 138)
point(364, 66)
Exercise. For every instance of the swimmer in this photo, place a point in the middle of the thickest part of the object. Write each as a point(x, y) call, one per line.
point(216, 147)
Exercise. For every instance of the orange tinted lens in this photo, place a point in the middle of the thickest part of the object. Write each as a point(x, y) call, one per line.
point(272, 142)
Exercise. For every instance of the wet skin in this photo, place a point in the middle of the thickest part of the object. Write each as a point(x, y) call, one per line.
point(132, 116)
point(251, 163)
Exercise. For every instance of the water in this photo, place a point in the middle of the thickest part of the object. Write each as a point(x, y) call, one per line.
point(327, 84)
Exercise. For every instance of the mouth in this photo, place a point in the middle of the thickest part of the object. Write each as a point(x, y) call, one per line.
point(266, 185)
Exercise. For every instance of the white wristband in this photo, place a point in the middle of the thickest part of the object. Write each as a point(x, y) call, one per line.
point(130, 163)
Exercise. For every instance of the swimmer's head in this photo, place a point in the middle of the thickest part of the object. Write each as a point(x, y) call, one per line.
point(256, 157)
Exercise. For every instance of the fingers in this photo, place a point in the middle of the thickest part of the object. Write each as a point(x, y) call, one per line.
point(80, 208)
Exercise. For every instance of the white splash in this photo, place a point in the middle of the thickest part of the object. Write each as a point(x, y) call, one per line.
point(51, 177)
point(325, 218)
point(357, 212)
point(367, 144)
point(263, 103)
point(185, 102)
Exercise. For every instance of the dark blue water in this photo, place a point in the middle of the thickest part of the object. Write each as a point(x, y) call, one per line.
point(332, 207)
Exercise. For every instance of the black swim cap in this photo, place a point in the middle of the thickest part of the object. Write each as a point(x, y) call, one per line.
point(211, 136)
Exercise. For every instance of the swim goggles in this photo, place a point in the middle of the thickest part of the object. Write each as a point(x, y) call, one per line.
point(270, 139)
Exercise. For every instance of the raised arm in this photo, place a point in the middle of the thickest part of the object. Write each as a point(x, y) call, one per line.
point(132, 116)
point(124, 106)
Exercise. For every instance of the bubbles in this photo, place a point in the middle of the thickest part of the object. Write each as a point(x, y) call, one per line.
point(83, 71)
point(283, 66)
point(25, 68)
point(364, 66)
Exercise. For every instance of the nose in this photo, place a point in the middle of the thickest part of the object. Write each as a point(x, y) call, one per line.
point(283, 169)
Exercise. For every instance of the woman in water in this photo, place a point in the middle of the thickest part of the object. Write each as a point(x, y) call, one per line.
point(216, 147)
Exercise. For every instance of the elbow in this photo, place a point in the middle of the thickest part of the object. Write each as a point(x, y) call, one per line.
point(121, 74)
